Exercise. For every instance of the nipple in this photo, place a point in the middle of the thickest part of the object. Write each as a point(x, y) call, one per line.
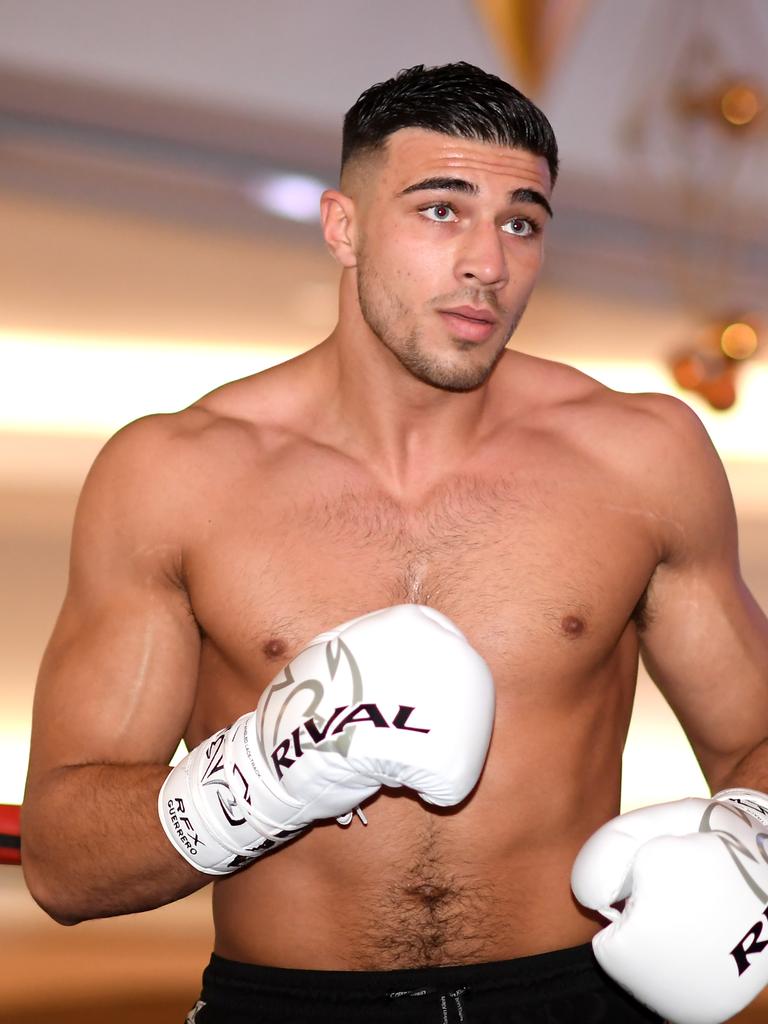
point(572, 625)
point(274, 649)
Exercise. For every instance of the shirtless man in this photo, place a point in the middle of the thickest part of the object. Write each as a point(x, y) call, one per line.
point(409, 458)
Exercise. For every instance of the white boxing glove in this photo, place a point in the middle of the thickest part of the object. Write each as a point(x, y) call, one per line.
point(394, 698)
point(691, 941)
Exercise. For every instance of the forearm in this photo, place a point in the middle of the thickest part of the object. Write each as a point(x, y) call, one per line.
point(93, 845)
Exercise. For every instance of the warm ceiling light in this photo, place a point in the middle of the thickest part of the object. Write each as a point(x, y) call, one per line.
point(739, 341)
point(689, 370)
point(89, 388)
point(740, 104)
point(708, 374)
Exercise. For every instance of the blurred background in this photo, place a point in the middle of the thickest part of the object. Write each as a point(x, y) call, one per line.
point(160, 166)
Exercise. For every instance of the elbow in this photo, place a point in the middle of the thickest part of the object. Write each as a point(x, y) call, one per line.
point(46, 865)
point(50, 895)
point(54, 907)
point(58, 915)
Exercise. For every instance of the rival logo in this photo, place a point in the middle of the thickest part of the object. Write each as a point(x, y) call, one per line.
point(745, 860)
point(288, 751)
point(741, 952)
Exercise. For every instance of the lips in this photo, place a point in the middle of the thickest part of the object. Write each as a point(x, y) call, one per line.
point(471, 313)
point(468, 323)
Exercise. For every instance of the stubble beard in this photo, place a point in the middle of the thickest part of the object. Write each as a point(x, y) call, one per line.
point(383, 312)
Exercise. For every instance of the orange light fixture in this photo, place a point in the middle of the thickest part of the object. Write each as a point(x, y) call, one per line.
point(740, 104)
point(739, 340)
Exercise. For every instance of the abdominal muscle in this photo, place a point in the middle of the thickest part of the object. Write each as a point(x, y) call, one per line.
point(417, 886)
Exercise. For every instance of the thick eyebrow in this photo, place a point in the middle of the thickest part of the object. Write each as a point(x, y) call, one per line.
point(530, 195)
point(517, 195)
point(443, 184)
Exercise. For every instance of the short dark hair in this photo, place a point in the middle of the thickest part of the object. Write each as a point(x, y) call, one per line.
point(453, 99)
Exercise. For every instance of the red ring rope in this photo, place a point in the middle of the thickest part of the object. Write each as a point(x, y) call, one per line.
point(10, 834)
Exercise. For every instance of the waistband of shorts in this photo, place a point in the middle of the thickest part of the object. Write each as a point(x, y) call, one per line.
point(568, 970)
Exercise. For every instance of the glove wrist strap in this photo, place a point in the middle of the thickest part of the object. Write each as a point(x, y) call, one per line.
point(207, 816)
point(752, 801)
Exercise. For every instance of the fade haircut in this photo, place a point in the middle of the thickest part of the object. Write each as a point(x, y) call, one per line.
point(453, 99)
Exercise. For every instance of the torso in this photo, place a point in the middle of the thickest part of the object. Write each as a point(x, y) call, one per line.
point(541, 551)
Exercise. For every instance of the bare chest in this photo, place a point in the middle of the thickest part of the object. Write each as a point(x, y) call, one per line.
point(539, 573)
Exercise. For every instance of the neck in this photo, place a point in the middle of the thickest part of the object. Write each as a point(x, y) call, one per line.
point(410, 431)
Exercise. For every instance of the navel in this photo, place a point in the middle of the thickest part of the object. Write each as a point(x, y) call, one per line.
point(572, 625)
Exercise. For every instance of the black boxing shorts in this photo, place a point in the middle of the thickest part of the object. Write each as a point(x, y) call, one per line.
point(563, 987)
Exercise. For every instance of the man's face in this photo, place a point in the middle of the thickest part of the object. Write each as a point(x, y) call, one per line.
point(449, 246)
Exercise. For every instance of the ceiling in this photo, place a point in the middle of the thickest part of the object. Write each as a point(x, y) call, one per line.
point(143, 119)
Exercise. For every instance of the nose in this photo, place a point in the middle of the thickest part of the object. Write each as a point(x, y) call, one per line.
point(481, 259)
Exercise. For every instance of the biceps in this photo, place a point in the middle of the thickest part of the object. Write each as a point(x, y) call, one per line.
point(118, 680)
point(706, 647)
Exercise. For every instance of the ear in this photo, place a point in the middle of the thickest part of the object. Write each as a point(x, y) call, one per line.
point(337, 215)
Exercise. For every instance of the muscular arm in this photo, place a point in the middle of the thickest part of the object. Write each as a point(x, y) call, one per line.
point(706, 644)
point(115, 691)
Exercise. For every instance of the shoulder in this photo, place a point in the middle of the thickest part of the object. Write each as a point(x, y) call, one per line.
point(165, 446)
point(172, 458)
point(136, 486)
point(661, 434)
point(151, 449)
point(654, 443)
point(658, 450)
point(644, 425)
point(658, 443)
point(663, 418)
point(149, 490)
point(574, 389)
